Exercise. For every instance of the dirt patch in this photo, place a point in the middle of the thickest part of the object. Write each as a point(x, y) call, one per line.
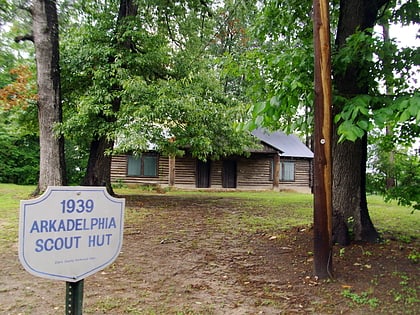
point(187, 255)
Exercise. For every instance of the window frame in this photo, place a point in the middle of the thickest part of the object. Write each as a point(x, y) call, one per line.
point(282, 171)
point(141, 158)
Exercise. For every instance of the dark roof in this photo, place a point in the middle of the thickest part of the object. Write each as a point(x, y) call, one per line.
point(288, 145)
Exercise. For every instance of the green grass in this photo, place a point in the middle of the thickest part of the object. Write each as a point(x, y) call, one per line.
point(254, 210)
point(10, 196)
point(395, 219)
point(273, 211)
point(266, 211)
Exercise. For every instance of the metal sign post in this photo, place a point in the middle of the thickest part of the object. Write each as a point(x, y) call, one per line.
point(74, 298)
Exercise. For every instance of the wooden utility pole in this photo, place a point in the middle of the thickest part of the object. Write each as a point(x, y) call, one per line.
point(322, 143)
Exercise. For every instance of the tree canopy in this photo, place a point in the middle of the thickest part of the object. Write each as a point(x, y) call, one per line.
point(280, 68)
point(168, 83)
point(186, 74)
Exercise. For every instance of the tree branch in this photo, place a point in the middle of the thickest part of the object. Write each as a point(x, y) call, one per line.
point(381, 12)
point(171, 35)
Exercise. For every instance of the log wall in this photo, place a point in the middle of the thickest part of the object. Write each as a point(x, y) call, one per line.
point(254, 172)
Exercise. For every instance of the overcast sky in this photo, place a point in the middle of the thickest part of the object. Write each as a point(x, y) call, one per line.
point(406, 35)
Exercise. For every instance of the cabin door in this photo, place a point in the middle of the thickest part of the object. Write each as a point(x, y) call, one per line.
point(229, 174)
point(203, 174)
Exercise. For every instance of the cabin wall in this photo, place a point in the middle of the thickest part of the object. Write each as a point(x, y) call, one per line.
point(119, 172)
point(185, 170)
point(303, 174)
point(254, 173)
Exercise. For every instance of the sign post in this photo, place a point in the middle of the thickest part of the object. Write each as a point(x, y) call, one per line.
point(74, 297)
point(70, 233)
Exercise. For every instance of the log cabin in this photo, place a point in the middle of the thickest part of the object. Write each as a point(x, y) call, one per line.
point(282, 162)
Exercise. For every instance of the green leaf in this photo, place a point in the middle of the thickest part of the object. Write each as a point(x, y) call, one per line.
point(258, 109)
point(414, 108)
point(349, 131)
point(274, 101)
point(405, 115)
point(363, 124)
point(337, 118)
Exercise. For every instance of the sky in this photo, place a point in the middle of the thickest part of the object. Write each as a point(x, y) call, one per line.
point(406, 35)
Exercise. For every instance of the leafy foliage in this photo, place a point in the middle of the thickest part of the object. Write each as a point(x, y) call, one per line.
point(407, 190)
point(362, 113)
point(280, 67)
point(21, 91)
point(19, 155)
point(403, 168)
point(164, 78)
point(193, 113)
point(19, 158)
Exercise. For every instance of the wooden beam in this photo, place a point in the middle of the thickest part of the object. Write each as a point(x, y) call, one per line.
point(276, 171)
point(171, 171)
point(322, 143)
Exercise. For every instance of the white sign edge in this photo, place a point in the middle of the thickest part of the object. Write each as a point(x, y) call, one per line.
point(45, 195)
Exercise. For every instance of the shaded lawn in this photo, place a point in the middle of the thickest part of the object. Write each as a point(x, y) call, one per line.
point(191, 252)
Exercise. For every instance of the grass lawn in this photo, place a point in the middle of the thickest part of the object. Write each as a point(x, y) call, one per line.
point(202, 252)
point(266, 210)
point(297, 209)
point(10, 196)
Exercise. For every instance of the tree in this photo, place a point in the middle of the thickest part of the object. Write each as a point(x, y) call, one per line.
point(18, 128)
point(404, 169)
point(93, 60)
point(45, 32)
point(99, 163)
point(147, 78)
point(350, 157)
point(112, 53)
point(282, 68)
point(45, 37)
point(358, 91)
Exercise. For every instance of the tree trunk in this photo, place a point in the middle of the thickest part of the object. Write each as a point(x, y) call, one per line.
point(45, 29)
point(350, 210)
point(97, 163)
point(98, 172)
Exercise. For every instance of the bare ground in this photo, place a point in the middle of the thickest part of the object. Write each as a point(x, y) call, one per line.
point(189, 256)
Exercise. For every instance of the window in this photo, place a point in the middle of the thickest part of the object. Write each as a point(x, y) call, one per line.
point(287, 171)
point(145, 165)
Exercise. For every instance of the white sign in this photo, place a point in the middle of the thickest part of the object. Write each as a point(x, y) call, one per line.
point(69, 233)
